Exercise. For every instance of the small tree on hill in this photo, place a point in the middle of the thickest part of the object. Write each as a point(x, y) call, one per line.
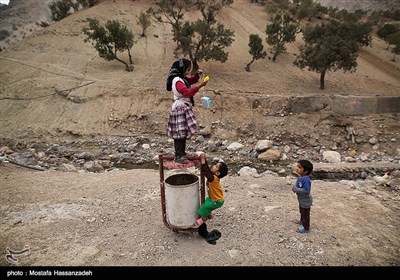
point(171, 12)
point(280, 32)
point(144, 22)
point(387, 30)
point(201, 40)
point(306, 9)
point(256, 49)
point(205, 39)
point(332, 46)
point(277, 6)
point(394, 39)
point(109, 40)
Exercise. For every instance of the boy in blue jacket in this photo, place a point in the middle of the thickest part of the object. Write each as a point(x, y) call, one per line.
point(303, 192)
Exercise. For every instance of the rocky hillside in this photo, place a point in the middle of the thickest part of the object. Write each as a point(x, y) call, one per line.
point(21, 18)
point(365, 5)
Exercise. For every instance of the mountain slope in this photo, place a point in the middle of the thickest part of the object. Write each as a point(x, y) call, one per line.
point(55, 85)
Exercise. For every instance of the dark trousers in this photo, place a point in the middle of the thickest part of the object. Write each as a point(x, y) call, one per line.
point(180, 147)
point(305, 217)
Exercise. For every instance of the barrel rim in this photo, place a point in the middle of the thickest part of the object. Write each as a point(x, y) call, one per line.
point(180, 174)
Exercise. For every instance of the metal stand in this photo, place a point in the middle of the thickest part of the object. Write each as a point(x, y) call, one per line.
point(170, 158)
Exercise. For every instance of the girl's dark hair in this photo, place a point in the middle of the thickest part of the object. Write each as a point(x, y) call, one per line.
point(178, 69)
point(223, 170)
point(307, 166)
point(187, 64)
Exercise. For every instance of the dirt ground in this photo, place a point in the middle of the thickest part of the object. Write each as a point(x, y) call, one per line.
point(115, 219)
point(55, 87)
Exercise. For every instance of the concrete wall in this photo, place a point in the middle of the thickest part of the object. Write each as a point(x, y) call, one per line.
point(338, 104)
point(359, 105)
point(343, 105)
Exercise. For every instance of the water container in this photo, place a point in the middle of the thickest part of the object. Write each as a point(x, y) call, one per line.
point(205, 102)
point(182, 200)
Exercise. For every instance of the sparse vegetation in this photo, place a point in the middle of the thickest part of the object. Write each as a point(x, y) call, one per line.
point(202, 40)
point(394, 39)
point(62, 8)
point(171, 12)
point(144, 22)
point(332, 46)
point(110, 39)
point(280, 32)
point(256, 49)
point(385, 31)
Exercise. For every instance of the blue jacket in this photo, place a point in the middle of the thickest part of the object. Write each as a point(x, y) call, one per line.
point(303, 191)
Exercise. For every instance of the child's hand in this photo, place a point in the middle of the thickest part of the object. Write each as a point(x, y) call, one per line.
point(203, 83)
point(203, 158)
point(293, 189)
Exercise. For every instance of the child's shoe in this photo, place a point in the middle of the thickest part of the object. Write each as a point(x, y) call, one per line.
point(202, 230)
point(301, 229)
